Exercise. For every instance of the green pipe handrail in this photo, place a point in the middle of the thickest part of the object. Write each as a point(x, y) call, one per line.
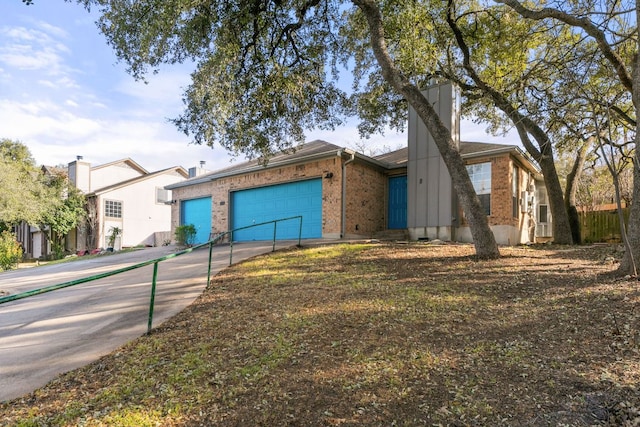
point(155, 262)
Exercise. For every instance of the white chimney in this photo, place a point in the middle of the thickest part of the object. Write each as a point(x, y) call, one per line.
point(80, 174)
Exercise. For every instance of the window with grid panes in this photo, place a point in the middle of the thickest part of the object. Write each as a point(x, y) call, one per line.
point(113, 209)
point(480, 175)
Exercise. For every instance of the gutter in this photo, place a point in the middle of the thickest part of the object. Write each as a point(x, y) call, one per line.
point(343, 226)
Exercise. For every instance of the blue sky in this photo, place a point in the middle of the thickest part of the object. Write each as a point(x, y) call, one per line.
point(63, 94)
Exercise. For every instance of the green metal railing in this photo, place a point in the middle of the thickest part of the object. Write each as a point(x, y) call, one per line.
point(217, 239)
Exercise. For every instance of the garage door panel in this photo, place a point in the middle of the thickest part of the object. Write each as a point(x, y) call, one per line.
point(198, 213)
point(264, 204)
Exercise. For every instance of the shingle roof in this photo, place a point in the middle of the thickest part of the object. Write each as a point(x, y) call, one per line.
point(470, 148)
point(311, 150)
point(175, 169)
point(397, 158)
point(127, 161)
point(321, 149)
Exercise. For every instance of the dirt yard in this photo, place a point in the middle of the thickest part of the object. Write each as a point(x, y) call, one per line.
point(376, 335)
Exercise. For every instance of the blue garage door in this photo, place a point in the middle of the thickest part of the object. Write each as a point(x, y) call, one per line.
point(198, 213)
point(263, 204)
point(397, 202)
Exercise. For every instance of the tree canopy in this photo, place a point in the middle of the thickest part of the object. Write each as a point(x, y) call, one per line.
point(23, 195)
point(65, 212)
point(268, 71)
point(613, 91)
point(42, 199)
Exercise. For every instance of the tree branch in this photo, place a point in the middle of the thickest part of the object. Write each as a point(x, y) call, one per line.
point(521, 123)
point(587, 26)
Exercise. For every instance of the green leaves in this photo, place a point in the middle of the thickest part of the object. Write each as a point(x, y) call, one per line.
point(10, 251)
point(263, 72)
point(27, 194)
point(23, 195)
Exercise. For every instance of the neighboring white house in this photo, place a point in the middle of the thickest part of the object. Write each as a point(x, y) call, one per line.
point(122, 194)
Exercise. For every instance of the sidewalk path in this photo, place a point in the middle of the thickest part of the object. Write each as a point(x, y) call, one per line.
point(46, 335)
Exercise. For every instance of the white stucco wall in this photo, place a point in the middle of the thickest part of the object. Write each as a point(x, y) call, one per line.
point(109, 175)
point(141, 215)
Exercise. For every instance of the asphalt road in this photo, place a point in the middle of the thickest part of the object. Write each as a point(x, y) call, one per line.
point(49, 334)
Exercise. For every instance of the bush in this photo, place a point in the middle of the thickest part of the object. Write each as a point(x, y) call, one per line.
point(186, 234)
point(10, 251)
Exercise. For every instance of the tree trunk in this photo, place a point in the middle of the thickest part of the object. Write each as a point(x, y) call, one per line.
point(525, 126)
point(573, 178)
point(633, 227)
point(483, 238)
point(561, 226)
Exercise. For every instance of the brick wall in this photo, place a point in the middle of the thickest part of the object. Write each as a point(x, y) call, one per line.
point(187, 193)
point(501, 198)
point(366, 195)
point(220, 191)
point(501, 190)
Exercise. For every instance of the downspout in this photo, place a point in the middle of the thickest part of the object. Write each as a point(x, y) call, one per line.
point(343, 226)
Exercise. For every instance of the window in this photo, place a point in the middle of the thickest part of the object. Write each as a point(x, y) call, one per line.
point(112, 209)
point(543, 214)
point(515, 189)
point(480, 175)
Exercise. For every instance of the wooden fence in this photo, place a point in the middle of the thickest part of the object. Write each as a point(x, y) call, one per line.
point(602, 226)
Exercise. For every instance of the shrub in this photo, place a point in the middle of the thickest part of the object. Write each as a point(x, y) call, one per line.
point(186, 234)
point(114, 232)
point(10, 251)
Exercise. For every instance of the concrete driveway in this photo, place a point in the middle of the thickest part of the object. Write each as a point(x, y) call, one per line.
point(46, 335)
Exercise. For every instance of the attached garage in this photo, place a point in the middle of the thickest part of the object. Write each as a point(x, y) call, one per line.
point(262, 204)
point(198, 213)
point(338, 192)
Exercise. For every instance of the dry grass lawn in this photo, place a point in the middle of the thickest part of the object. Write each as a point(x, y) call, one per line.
point(376, 335)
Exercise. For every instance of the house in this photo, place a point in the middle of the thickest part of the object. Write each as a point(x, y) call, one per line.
point(341, 193)
point(123, 195)
point(120, 194)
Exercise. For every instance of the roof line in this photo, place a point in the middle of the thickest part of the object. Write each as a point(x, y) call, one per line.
point(136, 179)
point(255, 167)
point(134, 165)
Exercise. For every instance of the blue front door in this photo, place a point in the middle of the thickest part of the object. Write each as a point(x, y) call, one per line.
point(198, 213)
point(257, 205)
point(397, 202)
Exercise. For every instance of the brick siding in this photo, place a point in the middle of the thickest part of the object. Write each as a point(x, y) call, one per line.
point(501, 190)
point(365, 194)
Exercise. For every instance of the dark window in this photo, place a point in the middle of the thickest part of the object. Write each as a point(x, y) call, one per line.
point(112, 209)
point(480, 175)
point(543, 216)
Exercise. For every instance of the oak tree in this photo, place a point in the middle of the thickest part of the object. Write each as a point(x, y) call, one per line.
point(267, 71)
point(612, 27)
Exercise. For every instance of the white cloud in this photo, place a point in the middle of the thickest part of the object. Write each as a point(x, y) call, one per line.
point(44, 120)
point(29, 49)
point(52, 29)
